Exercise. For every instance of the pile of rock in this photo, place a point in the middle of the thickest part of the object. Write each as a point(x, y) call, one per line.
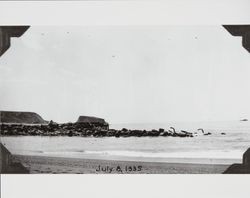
point(83, 130)
point(29, 123)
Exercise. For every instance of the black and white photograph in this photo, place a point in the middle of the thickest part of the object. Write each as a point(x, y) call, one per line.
point(131, 99)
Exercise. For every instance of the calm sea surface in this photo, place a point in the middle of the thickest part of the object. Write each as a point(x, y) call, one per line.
point(216, 148)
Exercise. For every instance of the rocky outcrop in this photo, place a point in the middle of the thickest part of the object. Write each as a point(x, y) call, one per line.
point(21, 117)
point(89, 119)
point(94, 121)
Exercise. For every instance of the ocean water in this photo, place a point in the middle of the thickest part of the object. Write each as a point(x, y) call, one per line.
point(216, 148)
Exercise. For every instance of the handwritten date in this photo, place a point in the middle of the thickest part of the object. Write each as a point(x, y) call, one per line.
point(118, 169)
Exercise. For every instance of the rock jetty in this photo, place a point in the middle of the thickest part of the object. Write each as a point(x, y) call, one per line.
point(82, 130)
point(31, 124)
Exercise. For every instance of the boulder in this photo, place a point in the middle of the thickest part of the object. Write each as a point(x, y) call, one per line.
point(161, 130)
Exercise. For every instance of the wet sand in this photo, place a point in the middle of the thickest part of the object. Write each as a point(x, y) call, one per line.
point(60, 165)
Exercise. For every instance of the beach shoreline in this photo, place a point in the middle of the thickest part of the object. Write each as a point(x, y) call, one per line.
point(62, 165)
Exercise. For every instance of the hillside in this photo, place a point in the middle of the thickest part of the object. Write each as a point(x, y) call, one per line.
point(21, 117)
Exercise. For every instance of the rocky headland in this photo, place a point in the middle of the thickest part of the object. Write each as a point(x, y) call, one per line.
point(20, 117)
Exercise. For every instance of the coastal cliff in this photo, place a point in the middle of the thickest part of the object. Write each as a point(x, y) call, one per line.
point(19, 117)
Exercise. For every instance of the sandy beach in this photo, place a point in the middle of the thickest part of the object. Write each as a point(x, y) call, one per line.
point(60, 165)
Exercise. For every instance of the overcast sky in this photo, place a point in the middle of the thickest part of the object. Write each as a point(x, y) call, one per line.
point(127, 74)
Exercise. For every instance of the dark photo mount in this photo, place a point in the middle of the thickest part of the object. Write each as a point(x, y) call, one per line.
point(240, 30)
point(6, 32)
